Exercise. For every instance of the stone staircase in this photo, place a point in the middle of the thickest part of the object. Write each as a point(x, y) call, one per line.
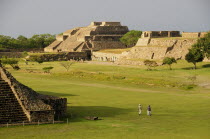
point(10, 109)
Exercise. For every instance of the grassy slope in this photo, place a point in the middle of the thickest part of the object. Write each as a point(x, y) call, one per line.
point(177, 113)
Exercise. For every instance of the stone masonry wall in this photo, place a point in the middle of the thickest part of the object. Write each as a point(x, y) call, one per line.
point(42, 116)
point(99, 56)
point(59, 105)
point(64, 56)
point(98, 45)
point(157, 49)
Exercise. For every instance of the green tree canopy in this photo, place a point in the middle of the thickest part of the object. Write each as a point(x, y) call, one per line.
point(36, 41)
point(204, 45)
point(131, 38)
point(169, 61)
point(194, 55)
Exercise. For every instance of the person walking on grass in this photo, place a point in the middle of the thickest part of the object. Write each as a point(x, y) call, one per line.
point(140, 109)
point(149, 111)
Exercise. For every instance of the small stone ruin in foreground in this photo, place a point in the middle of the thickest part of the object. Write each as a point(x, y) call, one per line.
point(19, 103)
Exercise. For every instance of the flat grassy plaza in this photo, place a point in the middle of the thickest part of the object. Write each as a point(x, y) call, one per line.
point(180, 104)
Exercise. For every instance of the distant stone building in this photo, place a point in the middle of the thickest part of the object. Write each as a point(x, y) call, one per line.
point(19, 103)
point(159, 34)
point(149, 46)
point(96, 36)
point(193, 34)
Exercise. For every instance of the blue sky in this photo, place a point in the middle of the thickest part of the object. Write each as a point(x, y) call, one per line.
point(28, 17)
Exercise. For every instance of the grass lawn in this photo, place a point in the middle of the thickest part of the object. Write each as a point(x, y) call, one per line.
point(113, 93)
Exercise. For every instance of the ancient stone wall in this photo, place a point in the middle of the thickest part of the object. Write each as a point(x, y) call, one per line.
point(143, 42)
point(110, 24)
point(105, 38)
point(59, 105)
point(147, 53)
point(193, 34)
point(110, 30)
point(202, 34)
point(64, 56)
point(11, 54)
point(190, 34)
point(157, 49)
point(42, 116)
point(99, 56)
point(98, 45)
point(61, 37)
point(95, 23)
point(159, 34)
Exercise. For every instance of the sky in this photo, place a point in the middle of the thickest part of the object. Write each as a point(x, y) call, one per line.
point(29, 17)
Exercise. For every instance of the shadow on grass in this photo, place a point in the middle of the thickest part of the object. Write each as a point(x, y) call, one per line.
point(190, 68)
point(78, 113)
point(206, 66)
point(55, 94)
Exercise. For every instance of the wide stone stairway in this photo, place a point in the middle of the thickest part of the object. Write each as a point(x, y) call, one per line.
point(10, 109)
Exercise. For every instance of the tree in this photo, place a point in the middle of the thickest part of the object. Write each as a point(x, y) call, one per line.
point(194, 55)
point(169, 61)
point(150, 64)
point(204, 45)
point(5, 41)
point(131, 38)
point(67, 65)
point(36, 41)
point(41, 41)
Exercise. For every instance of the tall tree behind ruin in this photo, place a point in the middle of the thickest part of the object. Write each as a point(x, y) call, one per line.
point(131, 38)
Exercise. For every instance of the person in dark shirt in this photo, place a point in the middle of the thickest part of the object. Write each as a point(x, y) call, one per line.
point(149, 111)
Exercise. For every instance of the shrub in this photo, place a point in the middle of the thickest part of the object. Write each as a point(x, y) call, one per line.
point(67, 65)
point(36, 58)
point(169, 61)
point(150, 64)
point(24, 54)
point(47, 69)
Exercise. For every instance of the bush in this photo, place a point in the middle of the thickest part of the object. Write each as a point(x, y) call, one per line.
point(36, 58)
point(169, 61)
point(47, 69)
point(67, 64)
point(24, 54)
point(150, 64)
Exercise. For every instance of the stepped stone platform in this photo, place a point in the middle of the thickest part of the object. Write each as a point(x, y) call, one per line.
point(10, 109)
point(19, 103)
point(96, 36)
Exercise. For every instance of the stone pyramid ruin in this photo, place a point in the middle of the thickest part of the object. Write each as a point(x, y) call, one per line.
point(96, 36)
point(19, 103)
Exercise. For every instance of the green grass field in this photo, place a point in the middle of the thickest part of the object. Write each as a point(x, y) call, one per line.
point(180, 107)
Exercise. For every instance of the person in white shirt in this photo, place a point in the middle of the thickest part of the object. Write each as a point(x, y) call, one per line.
point(140, 109)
